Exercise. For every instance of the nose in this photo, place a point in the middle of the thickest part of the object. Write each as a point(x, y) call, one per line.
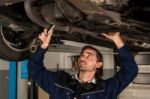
point(83, 58)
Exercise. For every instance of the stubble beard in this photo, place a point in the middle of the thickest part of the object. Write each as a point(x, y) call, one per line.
point(84, 69)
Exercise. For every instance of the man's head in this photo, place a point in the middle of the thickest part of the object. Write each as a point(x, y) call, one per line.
point(90, 60)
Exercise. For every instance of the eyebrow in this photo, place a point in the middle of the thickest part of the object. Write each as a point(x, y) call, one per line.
point(90, 53)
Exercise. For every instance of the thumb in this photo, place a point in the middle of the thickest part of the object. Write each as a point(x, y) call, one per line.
point(105, 35)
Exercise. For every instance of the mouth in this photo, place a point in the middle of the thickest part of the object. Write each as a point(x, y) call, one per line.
point(82, 62)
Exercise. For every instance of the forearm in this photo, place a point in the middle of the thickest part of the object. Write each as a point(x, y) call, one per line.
point(36, 61)
point(126, 74)
point(38, 57)
point(118, 42)
point(127, 61)
point(39, 74)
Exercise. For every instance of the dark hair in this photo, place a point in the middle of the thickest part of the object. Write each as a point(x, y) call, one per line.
point(99, 71)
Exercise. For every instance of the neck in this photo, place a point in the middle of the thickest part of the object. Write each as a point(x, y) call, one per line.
point(86, 76)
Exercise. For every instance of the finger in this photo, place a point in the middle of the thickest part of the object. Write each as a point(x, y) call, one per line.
point(117, 33)
point(113, 33)
point(45, 31)
point(105, 35)
point(41, 38)
point(41, 34)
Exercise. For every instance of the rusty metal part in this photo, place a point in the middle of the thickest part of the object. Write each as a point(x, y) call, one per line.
point(98, 36)
point(96, 12)
point(48, 13)
point(134, 23)
point(33, 15)
point(9, 2)
point(47, 19)
point(66, 27)
point(111, 2)
point(28, 31)
point(10, 21)
point(69, 11)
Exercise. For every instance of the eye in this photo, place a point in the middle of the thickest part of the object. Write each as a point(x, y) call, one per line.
point(89, 56)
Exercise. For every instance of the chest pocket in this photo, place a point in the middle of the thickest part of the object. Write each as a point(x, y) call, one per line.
point(94, 95)
point(62, 92)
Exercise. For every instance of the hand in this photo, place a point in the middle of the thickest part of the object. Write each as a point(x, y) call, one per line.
point(112, 35)
point(45, 37)
point(115, 37)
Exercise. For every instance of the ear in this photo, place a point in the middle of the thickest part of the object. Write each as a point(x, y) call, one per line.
point(99, 64)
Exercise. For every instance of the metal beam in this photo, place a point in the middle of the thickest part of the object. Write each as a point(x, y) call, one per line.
point(12, 80)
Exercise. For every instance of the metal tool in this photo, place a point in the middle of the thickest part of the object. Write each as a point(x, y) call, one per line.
point(37, 42)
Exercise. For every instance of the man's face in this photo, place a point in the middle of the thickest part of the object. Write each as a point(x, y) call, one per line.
point(88, 61)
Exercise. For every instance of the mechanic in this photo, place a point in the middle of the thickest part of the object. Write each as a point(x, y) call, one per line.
point(87, 83)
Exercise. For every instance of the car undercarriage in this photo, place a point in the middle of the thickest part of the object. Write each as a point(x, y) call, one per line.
point(76, 20)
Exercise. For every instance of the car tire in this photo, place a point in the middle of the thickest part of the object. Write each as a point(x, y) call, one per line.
point(7, 52)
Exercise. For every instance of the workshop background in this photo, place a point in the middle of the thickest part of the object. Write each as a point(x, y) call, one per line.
point(78, 23)
point(58, 58)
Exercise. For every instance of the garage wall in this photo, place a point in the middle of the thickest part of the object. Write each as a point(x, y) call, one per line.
point(4, 79)
point(4, 65)
point(59, 60)
point(63, 60)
